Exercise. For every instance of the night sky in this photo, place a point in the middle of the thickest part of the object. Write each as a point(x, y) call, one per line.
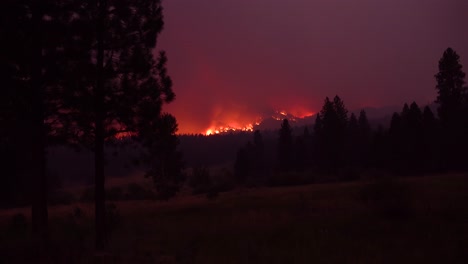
point(235, 61)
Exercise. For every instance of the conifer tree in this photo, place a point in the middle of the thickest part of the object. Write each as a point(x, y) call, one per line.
point(285, 146)
point(33, 44)
point(452, 111)
point(450, 91)
point(118, 85)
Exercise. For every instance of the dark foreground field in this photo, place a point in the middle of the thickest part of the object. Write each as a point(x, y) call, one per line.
point(413, 220)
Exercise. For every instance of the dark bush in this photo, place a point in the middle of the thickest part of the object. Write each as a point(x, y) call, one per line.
point(88, 195)
point(166, 190)
point(113, 217)
point(200, 180)
point(115, 194)
point(223, 181)
point(76, 229)
point(61, 197)
point(137, 192)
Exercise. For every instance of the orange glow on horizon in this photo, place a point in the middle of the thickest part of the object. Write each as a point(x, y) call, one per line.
point(233, 125)
point(237, 116)
point(226, 129)
point(292, 116)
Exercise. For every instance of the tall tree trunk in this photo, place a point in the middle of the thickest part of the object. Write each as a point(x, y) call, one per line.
point(39, 213)
point(101, 233)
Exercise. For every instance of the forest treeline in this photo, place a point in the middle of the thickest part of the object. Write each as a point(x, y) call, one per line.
point(342, 145)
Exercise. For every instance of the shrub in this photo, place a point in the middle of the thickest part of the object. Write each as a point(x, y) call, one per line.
point(223, 181)
point(76, 229)
point(115, 194)
point(137, 192)
point(88, 195)
point(61, 197)
point(200, 180)
point(113, 218)
point(166, 190)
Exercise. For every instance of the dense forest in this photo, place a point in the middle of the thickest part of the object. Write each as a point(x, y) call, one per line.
point(338, 145)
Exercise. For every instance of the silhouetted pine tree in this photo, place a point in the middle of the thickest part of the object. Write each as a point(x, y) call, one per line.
point(330, 135)
point(335, 122)
point(317, 143)
point(118, 84)
point(339, 143)
point(32, 48)
point(162, 156)
point(353, 125)
point(303, 150)
point(380, 150)
point(364, 126)
point(450, 97)
point(364, 137)
point(258, 156)
point(415, 138)
point(300, 154)
point(450, 91)
point(341, 112)
point(396, 145)
point(259, 149)
point(318, 125)
point(429, 121)
point(353, 142)
point(285, 147)
point(431, 146)
point(406, 138)
point(250, 167)
point(241, 166)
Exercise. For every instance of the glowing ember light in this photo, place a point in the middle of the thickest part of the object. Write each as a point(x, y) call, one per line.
point(122, 135)
point(226, 129)
point(291, 116)
point(304, 115)
point(237, 122)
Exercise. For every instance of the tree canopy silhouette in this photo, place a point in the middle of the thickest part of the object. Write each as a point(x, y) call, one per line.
point(33, 38)
point(450, 90)
point(453, 109)
point(115, 86)
point(162, 155)
point(331, 130)
point(285, 146)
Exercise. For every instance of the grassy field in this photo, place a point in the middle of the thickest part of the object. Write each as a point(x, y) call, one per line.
point(411, 220)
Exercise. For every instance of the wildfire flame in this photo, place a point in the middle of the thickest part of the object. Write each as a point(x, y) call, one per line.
point(249, 126)
point(226, 129)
